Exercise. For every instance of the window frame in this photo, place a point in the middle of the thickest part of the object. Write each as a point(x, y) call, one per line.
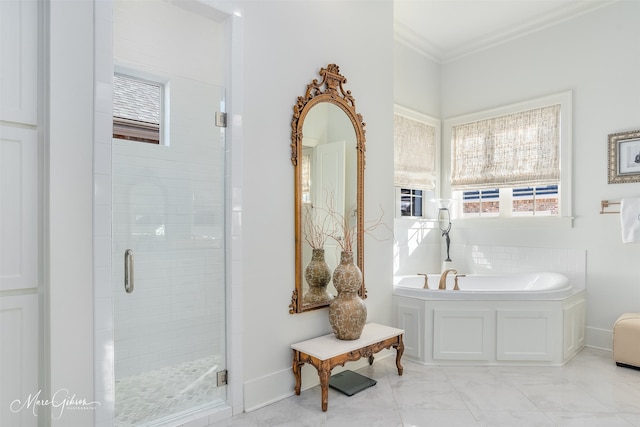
point(429, 211)
point(506, 197)
point(564, 215)
point(413, 197)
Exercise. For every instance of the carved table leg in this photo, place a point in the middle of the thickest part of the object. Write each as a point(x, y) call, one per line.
point(296, 371)
point(399, 351)
point(371, 359)
point(324, 372)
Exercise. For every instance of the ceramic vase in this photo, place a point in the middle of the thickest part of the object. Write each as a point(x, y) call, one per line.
point(347, 311)
point(318, 275)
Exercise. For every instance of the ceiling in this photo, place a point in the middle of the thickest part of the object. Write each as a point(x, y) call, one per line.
point(448, 29)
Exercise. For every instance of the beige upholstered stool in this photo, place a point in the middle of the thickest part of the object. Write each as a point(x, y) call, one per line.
point(626, 340)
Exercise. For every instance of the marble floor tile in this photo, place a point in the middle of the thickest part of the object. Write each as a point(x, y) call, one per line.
point(428, 395)
point(590, 390)
point(356, 415)
point(587, 419)
point(513, 418)
point(421, 417)
point(562, 397)
point(634, 419)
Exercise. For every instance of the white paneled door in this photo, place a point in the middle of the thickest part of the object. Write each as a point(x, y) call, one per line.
point(19, 213)
point(18, 208)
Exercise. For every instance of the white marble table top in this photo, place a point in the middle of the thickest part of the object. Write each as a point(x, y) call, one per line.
point(328, 346)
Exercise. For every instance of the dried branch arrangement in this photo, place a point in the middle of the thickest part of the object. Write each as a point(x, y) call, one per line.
point(315, 231)
point(344, 232)
point(333, 224)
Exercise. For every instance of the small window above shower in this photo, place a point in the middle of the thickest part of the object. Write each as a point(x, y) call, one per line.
point(138, 109)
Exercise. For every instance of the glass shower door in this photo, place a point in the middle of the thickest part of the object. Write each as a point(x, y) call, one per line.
point(168, 262)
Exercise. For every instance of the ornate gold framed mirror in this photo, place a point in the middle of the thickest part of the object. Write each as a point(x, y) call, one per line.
point(327, 152)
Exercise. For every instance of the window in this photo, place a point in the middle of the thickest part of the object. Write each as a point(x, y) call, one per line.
point(513, 161)
point(416, 154)
point(137, 109)
point(481, 202)
point(411, 203)
point(535, 200)
point(521, 201)
point(306, 177)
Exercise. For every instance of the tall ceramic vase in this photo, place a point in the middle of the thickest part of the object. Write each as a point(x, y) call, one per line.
point(318, 276)
point(347, 311)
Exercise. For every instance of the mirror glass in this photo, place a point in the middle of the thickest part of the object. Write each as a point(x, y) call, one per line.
point(329, 182)
point(327, 145)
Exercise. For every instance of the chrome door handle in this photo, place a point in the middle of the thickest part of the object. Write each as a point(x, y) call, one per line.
point(128, 271)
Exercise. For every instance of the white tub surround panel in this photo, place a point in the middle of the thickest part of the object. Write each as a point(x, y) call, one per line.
point(461, 334)
point(488, 323)
point(527, 335)
point(486, 332)
point(410, 314)
point(574, 315)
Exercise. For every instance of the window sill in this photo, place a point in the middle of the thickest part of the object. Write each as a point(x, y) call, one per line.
point(515, 222)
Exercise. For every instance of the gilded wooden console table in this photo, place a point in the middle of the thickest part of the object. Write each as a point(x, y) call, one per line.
point(327, 352)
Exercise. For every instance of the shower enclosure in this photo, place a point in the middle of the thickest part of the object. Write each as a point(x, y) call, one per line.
point(168, 215)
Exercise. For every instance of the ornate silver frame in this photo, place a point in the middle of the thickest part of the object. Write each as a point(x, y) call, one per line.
point(617, 144)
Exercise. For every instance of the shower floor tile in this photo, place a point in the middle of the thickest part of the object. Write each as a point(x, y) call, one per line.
point(151, 396)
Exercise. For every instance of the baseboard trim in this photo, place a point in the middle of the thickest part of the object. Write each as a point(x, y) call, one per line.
point(279, 385)
point(268, 389)
point(599, 338)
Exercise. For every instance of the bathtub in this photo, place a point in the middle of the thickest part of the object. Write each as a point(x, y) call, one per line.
point(503, 320)
point(519, 286)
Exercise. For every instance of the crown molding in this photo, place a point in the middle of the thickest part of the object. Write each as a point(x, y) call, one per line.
point(568, 11)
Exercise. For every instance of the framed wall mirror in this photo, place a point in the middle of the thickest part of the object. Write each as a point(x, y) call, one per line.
point(327, 153)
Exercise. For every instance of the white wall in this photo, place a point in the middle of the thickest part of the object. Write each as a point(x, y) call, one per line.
point(416, 80)
point(596, 56)
point(69, 245)
point(416, 85)
point(286, 44)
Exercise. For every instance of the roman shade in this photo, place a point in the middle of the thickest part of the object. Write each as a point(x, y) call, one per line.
point(516, 149)
point(414, 153)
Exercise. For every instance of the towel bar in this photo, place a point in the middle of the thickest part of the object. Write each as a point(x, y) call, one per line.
point(606, 204)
